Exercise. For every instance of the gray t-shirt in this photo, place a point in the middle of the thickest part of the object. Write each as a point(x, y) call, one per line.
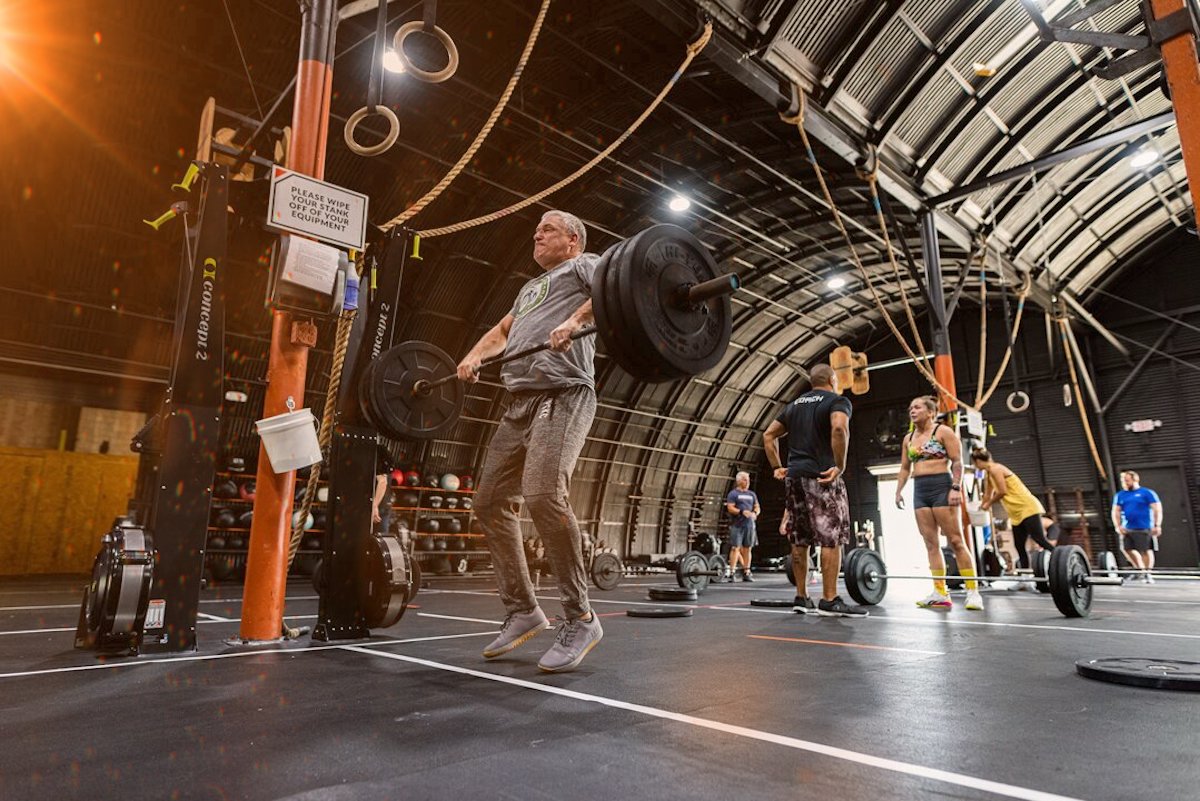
point(543, 304)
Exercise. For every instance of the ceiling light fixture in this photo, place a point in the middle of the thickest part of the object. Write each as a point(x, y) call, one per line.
point(679, 203)
point(837, 282)
point(392, 62)
point(1143, 157)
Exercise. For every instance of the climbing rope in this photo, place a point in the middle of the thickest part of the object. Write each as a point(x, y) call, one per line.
point(798, 121)
point(693, 50)
point(325, 435)
point(432, 194)
point(1087, 427)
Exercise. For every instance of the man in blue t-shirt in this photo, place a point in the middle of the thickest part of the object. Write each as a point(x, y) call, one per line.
point(1137, 514)
point(742, 503)
point(816, 511)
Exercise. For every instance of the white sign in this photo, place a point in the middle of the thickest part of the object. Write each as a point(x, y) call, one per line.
point(310, 264)
point(155, 612)
point(1143, 426)
point(304, 205)
point(975, 423)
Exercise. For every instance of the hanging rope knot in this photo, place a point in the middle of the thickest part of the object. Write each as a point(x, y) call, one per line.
point(695, 47)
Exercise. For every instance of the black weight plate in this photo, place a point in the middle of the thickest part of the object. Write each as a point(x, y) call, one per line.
point(364, 392)
point(866, 579)
point(691, 571)
point(676, 339)
point(1068, 570)
point(718, 565)
point(414, 584)
point(672, 594)
point(658, 611)
point(619, 331)
point(1106, 564)
point(1138, 671)
point(1041, 567)
point(952, 571)
point(848, 564)
point(400, 413)
point(605, 311)
point(607, 571)
point(772, 603)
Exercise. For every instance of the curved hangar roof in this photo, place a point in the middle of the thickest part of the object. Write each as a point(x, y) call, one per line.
point(945, 92)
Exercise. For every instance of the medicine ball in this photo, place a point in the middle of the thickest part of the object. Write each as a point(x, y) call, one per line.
point(466, 482)
point(226, 489)
point(412, 478)
point(235, 542)
point(440, 544)
point(301, 488)
point(216, 543)
point(323, 494)
point(321, 521)
point(454, 525)
point(222, 567)
point(425, 544)
point(225, 518)
point(450, 482)
point(246, 490)
point(432, 525)
point(398, 478)
point(706, 543)
point(245, 519)
point(435, 501)
point(410, 499)
point(460, 544)
point(312, 543)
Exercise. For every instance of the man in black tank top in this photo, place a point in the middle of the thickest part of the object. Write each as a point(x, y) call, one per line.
point(816, 510)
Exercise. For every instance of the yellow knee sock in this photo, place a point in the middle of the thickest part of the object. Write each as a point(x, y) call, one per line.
point(939, 584)
point(969, 574)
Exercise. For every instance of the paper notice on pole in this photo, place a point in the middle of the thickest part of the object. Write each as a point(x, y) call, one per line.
point(310, 264)
point(303, 205)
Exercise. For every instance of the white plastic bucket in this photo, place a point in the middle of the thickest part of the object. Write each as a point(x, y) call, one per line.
point(290, 439)
point(978, 517)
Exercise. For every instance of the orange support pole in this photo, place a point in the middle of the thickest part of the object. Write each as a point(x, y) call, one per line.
point(266, 563)
point(943, 371)
point(1183, 75)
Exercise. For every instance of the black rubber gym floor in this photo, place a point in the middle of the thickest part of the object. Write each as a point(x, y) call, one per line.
point(734, 702)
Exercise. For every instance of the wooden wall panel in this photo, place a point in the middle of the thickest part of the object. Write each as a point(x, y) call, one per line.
point(57, 506)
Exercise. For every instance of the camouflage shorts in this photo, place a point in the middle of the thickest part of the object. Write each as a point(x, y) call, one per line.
point(815, 513)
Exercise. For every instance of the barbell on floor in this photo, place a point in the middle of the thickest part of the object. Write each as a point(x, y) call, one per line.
point(1068, 577)
point(692, 570)
point(661, 307)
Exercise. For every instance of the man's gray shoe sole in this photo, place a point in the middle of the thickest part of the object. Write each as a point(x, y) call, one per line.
point(524, 638)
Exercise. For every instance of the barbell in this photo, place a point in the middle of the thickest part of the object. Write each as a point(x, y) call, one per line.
point(661, 307)
point(692, 570)
point(1068, 576)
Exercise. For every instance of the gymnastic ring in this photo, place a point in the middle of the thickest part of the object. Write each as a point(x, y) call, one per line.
point(1018, 401)
point(443, 74)
point(362, 114)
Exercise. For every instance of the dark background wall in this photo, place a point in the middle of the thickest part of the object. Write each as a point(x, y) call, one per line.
point(1046, 445)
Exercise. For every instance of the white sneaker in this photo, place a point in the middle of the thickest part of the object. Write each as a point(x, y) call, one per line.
point(974, 601)
point(1148, 579)
point(935, 600)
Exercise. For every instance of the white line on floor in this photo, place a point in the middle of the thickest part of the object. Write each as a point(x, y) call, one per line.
point(35, 631)
point(464, 619)
point(200, 618)
point(1075, 629)
point(203, 601)
point(214, 618)
point(882, 763)
point(172, 660)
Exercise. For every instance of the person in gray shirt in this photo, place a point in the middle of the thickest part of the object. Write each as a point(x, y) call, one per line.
point(538, 440)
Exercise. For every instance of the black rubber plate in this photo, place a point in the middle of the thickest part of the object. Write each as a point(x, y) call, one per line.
point(1137, 671)
point(660, 611)
point(774, 603)
point(672, 594)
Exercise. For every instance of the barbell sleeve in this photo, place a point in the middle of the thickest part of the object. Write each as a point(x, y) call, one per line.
point(713, 288)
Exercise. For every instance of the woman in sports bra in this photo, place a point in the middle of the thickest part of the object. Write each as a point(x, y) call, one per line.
point(932, 455)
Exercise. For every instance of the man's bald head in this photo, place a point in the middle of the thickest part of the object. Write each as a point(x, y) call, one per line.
point(821, 376)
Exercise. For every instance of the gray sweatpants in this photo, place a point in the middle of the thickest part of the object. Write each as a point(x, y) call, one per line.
point(532, 455)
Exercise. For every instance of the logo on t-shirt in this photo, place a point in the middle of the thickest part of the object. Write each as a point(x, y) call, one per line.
point(808, 399)
point(532, 296)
